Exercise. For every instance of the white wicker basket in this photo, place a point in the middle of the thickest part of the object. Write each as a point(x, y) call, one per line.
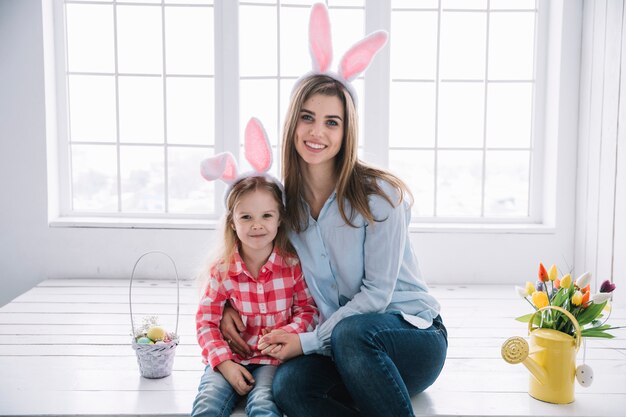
point(155, 360)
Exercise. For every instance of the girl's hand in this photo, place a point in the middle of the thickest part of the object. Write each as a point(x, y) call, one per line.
point(237, 376)
point(230, 326)
point(290, 342)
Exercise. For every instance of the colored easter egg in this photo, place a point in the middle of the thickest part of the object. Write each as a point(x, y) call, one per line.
point(156, 333)
point(144, 341)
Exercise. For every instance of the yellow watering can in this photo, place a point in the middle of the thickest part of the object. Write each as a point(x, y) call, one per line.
point(551, 359)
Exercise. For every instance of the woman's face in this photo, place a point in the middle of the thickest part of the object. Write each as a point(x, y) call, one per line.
point(319, 131)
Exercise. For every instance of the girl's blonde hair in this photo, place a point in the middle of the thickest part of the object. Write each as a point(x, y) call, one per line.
point(241, 188)
point(226, 250)
point(356, 180)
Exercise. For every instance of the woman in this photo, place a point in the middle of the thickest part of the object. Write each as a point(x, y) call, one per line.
point(380, 338)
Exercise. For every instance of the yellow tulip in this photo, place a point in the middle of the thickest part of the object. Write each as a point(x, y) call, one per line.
point(566, 281)
point(540, 299)
point(530, 288)
point(577, 298)
point(552, 274)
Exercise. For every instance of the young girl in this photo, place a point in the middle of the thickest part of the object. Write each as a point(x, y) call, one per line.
point(259, 275)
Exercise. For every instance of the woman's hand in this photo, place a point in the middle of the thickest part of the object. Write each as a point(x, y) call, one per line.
point(230, 326)
point(237, 376)
point(288, 345)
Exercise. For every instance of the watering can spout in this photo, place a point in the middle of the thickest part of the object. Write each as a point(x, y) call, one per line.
point(515, 350)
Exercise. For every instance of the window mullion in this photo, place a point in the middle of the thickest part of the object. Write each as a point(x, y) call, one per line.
point(117, 112)
point(226, 35)
point(376, 105)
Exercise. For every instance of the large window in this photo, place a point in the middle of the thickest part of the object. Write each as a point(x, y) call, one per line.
point(153, 87)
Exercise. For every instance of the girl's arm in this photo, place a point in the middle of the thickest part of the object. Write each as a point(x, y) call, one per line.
point(210, 339)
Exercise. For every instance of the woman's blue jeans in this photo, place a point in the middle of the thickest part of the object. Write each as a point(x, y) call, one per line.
point(217, 398)
point(379, 361)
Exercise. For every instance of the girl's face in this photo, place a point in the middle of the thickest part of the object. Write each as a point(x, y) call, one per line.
point(256, 219)
point(319, 131)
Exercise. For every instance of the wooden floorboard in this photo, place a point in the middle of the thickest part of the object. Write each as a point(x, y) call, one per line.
point(65, 351)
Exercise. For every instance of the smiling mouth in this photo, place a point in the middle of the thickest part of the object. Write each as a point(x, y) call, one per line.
point(315, 146)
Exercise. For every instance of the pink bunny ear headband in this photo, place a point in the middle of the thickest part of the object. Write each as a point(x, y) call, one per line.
point(258, 153)
point(353, 62)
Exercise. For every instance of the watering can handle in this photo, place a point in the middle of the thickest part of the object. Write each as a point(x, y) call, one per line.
point(564, 311)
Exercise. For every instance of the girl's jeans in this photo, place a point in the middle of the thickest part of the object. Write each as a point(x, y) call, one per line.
point(216, 397)
point(379, 361)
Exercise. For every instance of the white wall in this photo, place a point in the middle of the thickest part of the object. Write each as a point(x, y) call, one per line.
point(23, 205)
point(601, 200)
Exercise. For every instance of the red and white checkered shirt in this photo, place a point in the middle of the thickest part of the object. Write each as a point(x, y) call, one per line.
point(278, 299)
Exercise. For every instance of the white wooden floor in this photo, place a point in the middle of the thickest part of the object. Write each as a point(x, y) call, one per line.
point(65, 350)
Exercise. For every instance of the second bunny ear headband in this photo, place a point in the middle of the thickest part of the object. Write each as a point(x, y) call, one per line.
point(354, 62)
point(257, 152)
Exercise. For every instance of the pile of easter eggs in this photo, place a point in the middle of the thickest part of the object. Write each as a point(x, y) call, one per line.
point(154, 335)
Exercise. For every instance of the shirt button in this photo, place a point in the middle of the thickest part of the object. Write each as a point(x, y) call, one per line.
point(323, 255)
point(262, 308)
point(334, 286)
point(263, 270)
point(259, 289)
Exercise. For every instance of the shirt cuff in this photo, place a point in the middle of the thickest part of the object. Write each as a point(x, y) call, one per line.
point(309, 342)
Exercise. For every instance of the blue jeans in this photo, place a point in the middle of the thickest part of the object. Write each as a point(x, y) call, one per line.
point(217, 398)
point(379, 361)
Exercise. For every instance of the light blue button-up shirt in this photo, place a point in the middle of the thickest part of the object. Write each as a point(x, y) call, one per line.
point(370, 268)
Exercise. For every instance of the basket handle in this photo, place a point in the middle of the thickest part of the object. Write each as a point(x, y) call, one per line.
point(567, 314)
point(130, 290)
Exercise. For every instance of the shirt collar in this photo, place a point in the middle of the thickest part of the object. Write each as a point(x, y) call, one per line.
point(237, 265)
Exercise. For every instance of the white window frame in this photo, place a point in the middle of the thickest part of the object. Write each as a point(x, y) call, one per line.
point(376, 104)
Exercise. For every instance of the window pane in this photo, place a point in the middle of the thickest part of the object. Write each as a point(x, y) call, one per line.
point(511, 45)
point(189, 1)
point(190, 111)
point(90, 37)
point(94, 174)
point(464, 4)
point(141, 109)
point(506, 183)
point(189, 40)
point(412, 114)
point(463, 38)
point(417, 170)
point(295, 58)
point(512, 4)
point(459, 180)
point(352, 24)
point(347, 3)
point(461, 115)
point(139, 51)
point(414, 4)
point(142, 170)
point(414, 46)
point(92, 108)
point(509, 115)
point(188, 191)
point(257, 40)
point(259, 99)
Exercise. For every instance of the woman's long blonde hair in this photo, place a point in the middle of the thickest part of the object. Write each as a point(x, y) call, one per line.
point(356, 180)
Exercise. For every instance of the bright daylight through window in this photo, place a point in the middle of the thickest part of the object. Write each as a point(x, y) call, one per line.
point(141, 108)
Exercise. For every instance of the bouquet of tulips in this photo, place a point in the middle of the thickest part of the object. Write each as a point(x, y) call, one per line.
point(572, 295)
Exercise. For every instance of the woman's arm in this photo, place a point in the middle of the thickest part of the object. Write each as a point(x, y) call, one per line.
point(230, 326)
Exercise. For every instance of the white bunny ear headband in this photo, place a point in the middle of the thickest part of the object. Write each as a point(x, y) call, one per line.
point(257, 152)
point(354, 61)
